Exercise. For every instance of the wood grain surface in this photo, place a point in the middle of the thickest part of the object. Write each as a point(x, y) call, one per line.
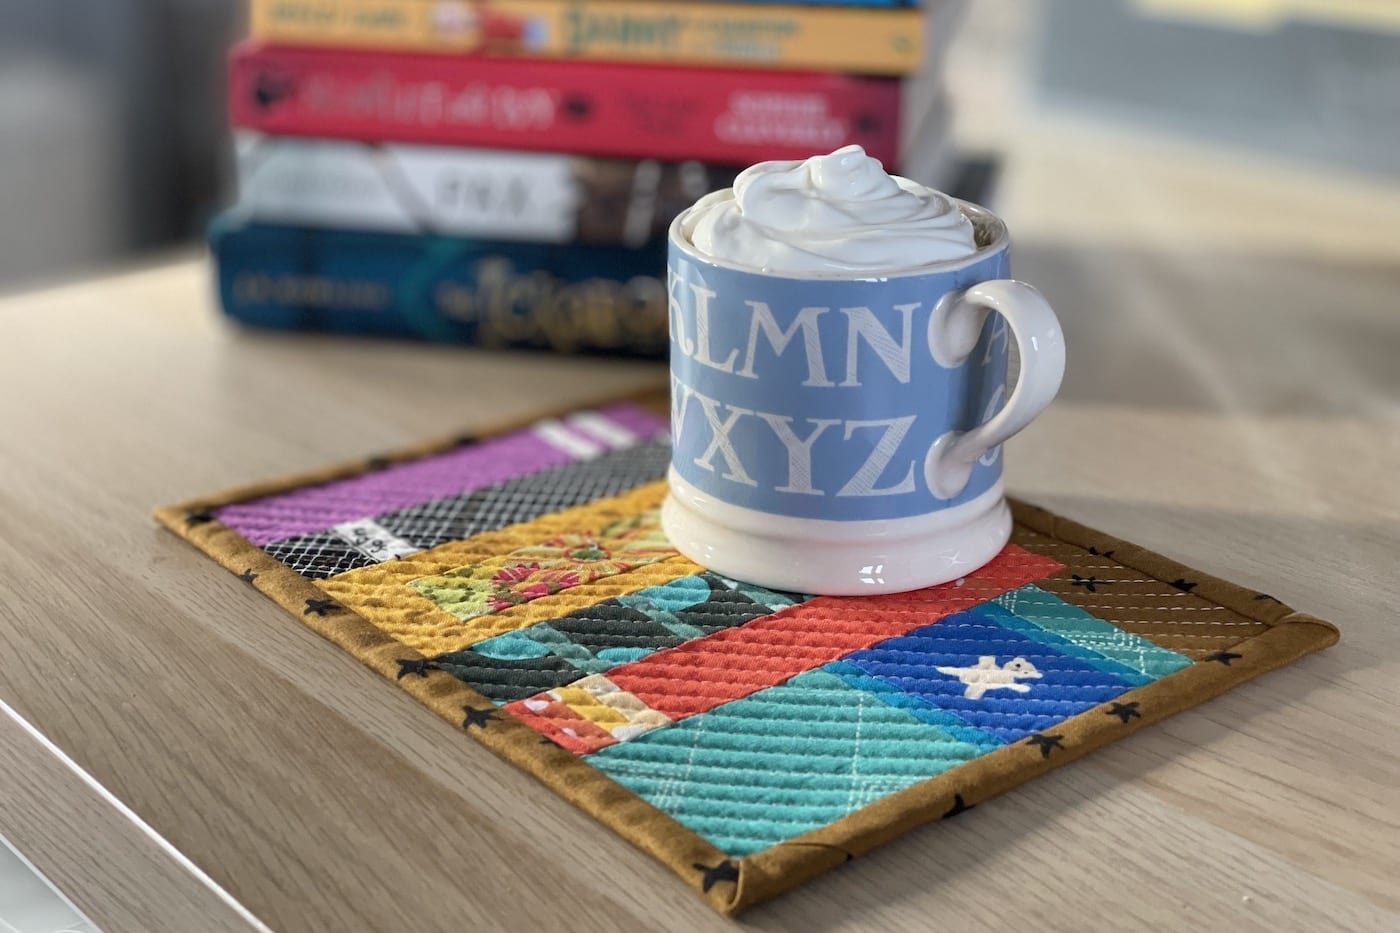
point(1232, 402)
point(52, 814)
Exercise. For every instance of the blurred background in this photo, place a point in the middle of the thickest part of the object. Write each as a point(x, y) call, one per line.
point(115, 147)
point(113, 131)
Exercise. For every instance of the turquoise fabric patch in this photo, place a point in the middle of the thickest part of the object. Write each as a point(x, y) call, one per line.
point(693, 607)
point(1046, 637)
point(765, 597)
point(661, 603)
point(1052, 614)
point(674, 596)
point(555, 642)
point(788, 759)
point(512, 646)
point(612, 657)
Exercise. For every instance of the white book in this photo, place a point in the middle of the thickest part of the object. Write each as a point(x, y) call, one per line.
point(484, 193)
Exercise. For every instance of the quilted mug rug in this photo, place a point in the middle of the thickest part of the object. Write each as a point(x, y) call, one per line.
point(519, 585)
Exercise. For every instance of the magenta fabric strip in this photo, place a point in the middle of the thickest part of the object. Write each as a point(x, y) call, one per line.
point(316, 508)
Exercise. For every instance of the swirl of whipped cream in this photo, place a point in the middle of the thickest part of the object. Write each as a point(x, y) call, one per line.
point(835, 215)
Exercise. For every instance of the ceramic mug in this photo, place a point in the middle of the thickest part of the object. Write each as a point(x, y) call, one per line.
point(841, 434)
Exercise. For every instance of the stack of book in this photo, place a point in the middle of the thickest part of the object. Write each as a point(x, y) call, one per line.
point(503, 172)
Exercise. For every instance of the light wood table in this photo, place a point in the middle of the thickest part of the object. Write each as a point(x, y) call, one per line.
point(1232, 403)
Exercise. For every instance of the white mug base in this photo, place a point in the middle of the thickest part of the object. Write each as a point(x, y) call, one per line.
point(831, 558)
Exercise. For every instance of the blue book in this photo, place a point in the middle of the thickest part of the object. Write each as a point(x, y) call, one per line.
point(570, 298)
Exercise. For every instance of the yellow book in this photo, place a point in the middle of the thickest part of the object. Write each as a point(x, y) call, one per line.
point(750, 35)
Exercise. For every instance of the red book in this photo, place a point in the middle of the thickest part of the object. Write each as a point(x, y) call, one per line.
point(721, 116)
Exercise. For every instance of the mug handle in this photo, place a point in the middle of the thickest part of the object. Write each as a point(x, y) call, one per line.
point(953, 332)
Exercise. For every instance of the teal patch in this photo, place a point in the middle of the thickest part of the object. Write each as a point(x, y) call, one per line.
point(1048, 638)
point(1050, 613)
point(661, 603)
point(512, 646)
point(553, 641)
point(786, 760)
point(675, 596)
point(765, 597)
point(612, 657)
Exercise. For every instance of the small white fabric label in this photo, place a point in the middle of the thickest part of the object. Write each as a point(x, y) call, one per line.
point(374, 540)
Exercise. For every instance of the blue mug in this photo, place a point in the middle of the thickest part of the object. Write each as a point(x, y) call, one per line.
point(841, 434)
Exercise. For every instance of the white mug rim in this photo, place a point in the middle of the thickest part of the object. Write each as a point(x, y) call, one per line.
point(975, 213)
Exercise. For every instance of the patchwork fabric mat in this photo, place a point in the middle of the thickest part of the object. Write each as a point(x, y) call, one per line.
point(519, 585)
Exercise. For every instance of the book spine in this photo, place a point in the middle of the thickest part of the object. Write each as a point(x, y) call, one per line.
point(570, 299)
point(754, 35)
point(718, 116)
point(492, 193)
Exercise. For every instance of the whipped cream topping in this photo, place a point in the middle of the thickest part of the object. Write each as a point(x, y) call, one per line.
point(835, 214)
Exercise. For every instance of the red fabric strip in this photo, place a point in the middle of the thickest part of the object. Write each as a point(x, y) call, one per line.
point(701, 674)
point(562, 724)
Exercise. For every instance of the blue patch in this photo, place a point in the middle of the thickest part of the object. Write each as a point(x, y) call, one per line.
point(990, 699)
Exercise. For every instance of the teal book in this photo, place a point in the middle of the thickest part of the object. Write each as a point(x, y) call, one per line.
point(570, 298)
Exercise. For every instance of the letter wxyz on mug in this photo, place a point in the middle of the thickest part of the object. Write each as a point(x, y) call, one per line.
point(839, 390)
point(720, 453)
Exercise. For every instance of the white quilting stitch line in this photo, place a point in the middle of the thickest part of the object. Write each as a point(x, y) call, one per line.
point(1076, 567)
point(1146, 595)
point(730, 827)
point(1174, 622)
point(686, 783)
point(600, 427)
point(1191, 635)
point(855, 756)
point(760, 764)
point(1077, 563)
point(1112, 582)
point(763, 765)
point(1159, 608)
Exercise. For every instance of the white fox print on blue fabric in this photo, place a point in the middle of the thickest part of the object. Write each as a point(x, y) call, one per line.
point(991, 675)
